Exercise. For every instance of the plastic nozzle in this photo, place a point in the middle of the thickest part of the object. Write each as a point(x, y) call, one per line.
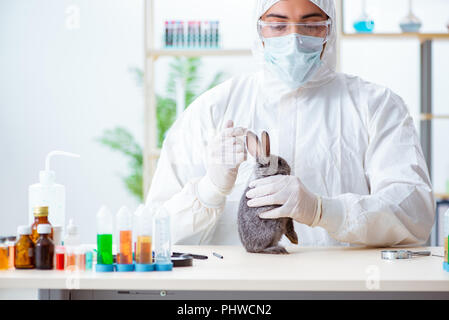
point(58, 153)
point(47, 176)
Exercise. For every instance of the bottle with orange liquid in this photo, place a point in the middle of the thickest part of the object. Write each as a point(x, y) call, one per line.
point(144, 257)
point(3, 255)
point(125, 238)
point(71, 242)
point(24, 249)
point(11, 251)
point(40, 217)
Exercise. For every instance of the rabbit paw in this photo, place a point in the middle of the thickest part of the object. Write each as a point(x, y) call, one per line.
point(275, 250)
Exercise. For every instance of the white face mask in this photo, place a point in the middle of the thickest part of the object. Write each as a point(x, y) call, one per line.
point(294, 58)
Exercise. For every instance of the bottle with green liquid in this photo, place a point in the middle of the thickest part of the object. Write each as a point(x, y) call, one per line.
point(105, 259)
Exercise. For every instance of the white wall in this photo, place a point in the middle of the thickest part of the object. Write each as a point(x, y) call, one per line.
point(60, 88)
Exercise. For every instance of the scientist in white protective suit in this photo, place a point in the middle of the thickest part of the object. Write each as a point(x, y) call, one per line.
point(358, 171)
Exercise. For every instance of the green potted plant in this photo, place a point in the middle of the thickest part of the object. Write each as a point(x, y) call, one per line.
point(119, 139)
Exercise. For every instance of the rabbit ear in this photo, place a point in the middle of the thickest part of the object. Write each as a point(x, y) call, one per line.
point(252, 144)
point(266, 144)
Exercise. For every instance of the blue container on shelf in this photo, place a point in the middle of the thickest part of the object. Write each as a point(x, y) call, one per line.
point(410, 23)
point(410, 27)
point(364, 26)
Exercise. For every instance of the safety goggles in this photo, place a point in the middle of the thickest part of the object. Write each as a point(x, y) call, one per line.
point(320, 29)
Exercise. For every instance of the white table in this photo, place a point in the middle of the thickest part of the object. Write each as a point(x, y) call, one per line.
point(304, 273)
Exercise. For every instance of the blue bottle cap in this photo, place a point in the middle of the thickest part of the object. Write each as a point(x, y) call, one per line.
point(446, 266)
point(124, 267)
point(145, 267)
point(104, 268)
point(164, 266)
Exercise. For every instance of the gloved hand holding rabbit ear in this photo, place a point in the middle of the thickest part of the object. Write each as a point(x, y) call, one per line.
point(293, 198)
point(225, 154)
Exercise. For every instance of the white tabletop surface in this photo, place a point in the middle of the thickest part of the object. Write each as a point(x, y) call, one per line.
point(304, 269)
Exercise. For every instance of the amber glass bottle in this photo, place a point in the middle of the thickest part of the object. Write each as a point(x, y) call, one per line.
point(45, 249)
point(40, 217)
point(3, 255)
point(24, 250)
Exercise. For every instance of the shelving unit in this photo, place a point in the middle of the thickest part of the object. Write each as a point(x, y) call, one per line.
point(151, 152)
point(426, 115)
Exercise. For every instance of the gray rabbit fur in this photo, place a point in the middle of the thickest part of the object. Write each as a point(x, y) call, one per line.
point(256, 234)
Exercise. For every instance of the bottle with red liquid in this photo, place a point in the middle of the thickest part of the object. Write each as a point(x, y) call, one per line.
point(59, 257)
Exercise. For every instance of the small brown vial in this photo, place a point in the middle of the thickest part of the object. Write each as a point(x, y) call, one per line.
point(45, 249)
point(40, 217)
point(24, 250)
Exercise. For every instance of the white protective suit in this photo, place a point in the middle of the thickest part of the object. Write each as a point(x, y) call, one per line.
point(349, 141)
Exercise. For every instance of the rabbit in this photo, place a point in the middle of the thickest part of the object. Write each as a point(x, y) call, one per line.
point(256, 234)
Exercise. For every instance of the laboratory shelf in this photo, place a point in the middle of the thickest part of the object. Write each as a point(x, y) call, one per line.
point(430, 116)
point(442, 196)
point(398, 35)
point(197, 52)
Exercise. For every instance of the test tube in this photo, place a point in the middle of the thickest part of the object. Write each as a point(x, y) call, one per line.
point(124, 226)
point(11, 251)
point(189, 34)
point(171, 27)
point(179, 34)
point(446, 240)
point(166, 34)
point(144, 257)
point(89, 259)
point(217, 34)
point(162, 240)
point(183, 36)
point(70, 258)
point(80, 258)
point(197, 34)
point(205, 29)
point(104, 240)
